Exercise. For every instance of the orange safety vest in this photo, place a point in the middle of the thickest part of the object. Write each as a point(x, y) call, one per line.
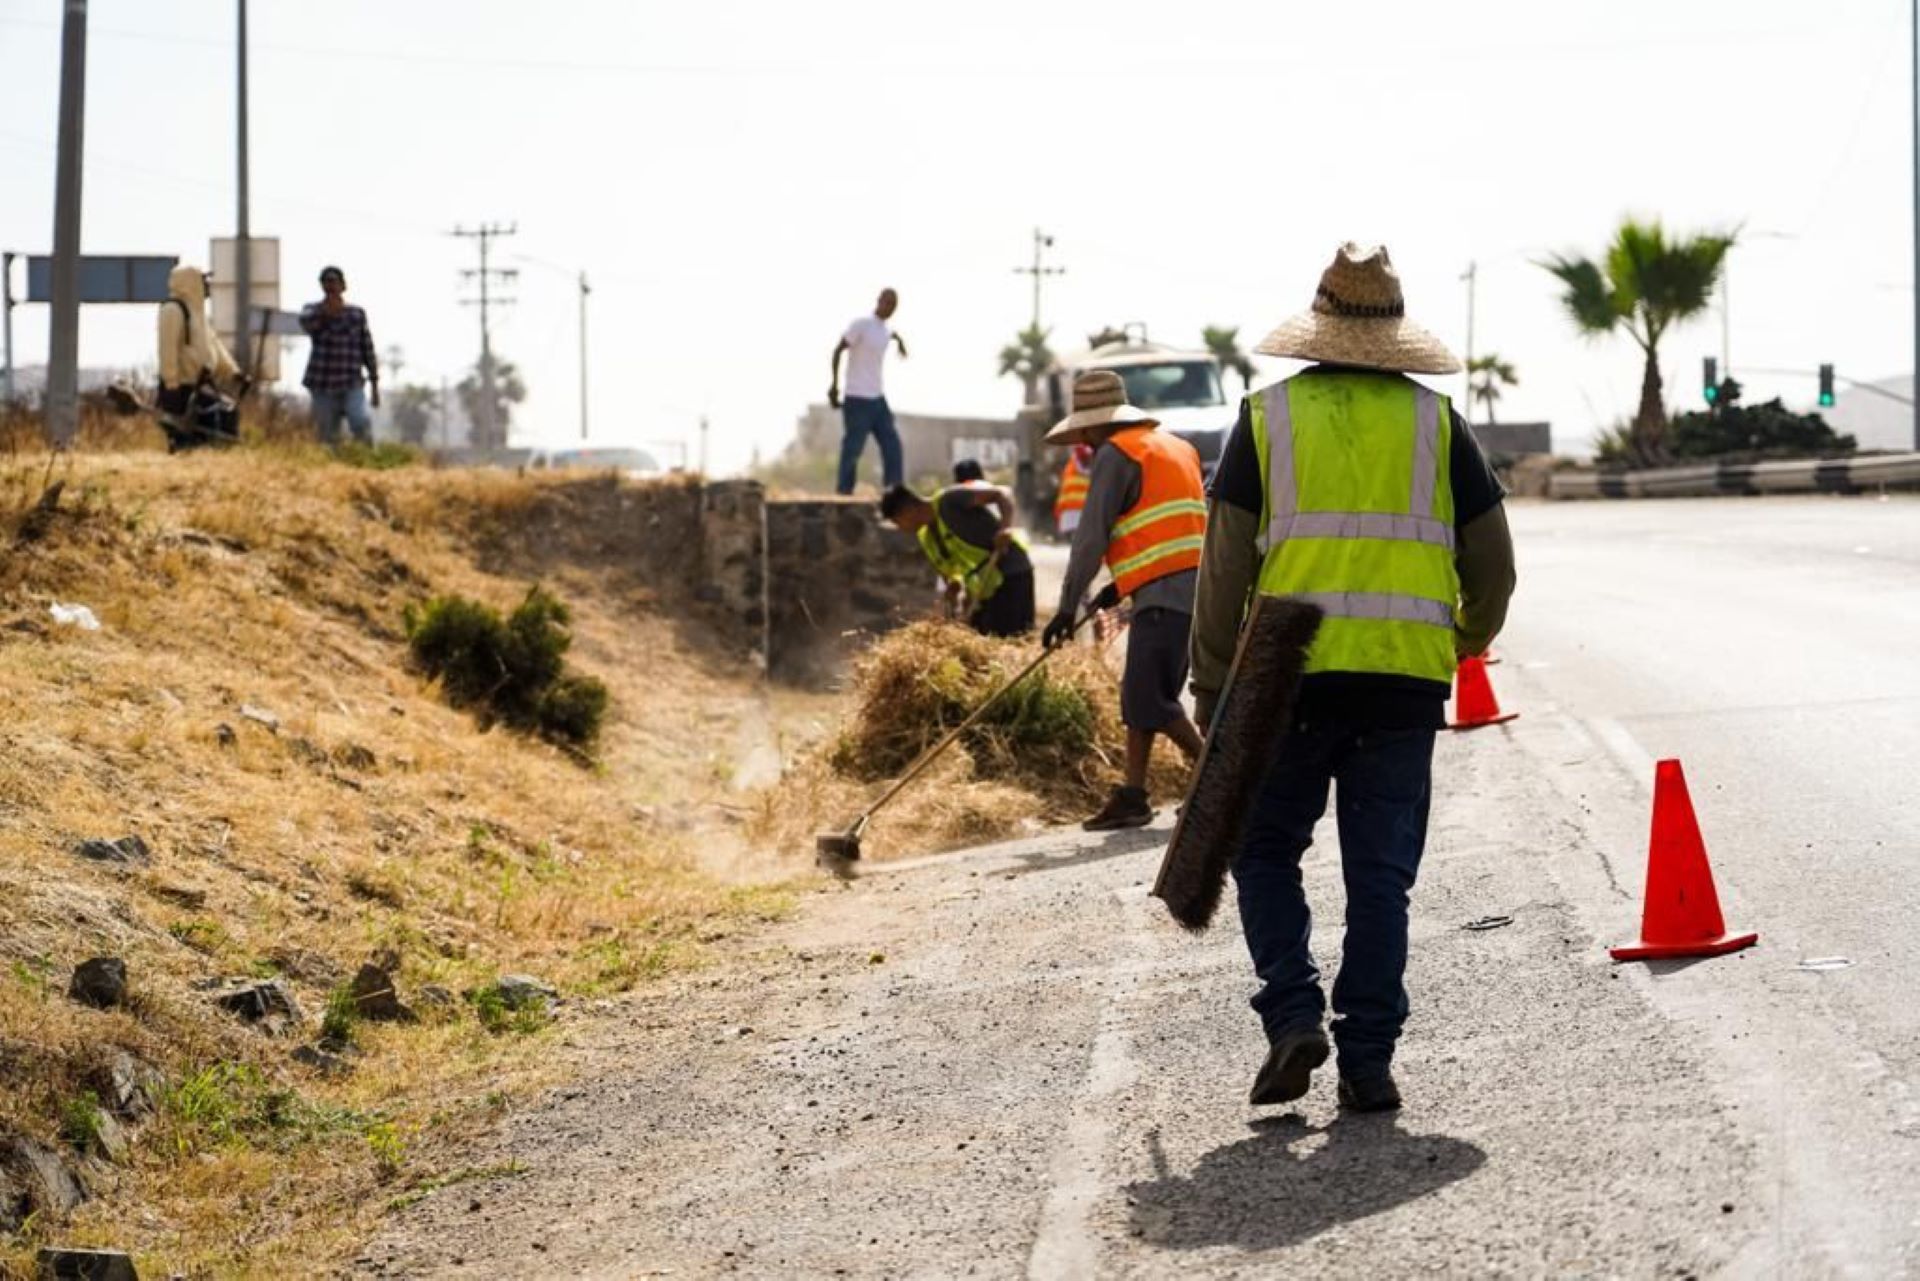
point(1074, 484)
point(1162, 533)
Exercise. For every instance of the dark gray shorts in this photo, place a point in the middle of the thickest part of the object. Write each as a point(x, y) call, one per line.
point(1156, 668)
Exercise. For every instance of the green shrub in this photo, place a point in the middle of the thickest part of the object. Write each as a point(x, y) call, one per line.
point(342, 1013)
point(497, 1014)
point(511, 670)
point(80, 1122)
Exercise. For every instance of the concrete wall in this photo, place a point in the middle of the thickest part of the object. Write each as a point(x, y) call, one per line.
point(835, 578)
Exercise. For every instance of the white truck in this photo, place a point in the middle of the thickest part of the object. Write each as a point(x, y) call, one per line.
point(1181, 388)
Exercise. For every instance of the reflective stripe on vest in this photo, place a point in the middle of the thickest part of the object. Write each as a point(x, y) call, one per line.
point(1074, 485)
point(1164, 530)
point(1359, 517)
point(956, 559)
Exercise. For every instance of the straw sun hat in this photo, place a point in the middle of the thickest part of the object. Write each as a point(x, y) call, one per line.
point(1099, 400)
point(1359, 318)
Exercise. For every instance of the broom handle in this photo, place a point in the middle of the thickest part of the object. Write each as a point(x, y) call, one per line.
point(946, 741)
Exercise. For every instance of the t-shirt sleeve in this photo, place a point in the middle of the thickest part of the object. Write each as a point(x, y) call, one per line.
point(1476, 490)
point(853, 336)
point(1237, 479)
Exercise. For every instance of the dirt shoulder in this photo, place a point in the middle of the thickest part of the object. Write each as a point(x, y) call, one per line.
point(1007, 1063)
point(233, 781)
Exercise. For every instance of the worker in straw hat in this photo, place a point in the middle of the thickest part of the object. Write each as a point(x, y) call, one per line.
point(1144, 515)
point(1359, 489)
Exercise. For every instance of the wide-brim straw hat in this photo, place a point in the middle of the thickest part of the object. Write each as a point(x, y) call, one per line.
point(1099, 400)
point(1359, 318)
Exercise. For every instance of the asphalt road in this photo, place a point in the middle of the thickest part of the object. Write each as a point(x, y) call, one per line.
point(1009, 1063)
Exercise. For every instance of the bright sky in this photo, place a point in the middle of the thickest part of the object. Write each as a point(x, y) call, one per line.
point(740, 178)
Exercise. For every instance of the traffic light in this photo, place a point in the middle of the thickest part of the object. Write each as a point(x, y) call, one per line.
point(1710, 379)
point(1826, 386)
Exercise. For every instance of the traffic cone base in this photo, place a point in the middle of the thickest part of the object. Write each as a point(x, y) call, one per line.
point(1474, 706)
point(1680, 915)
point(1667, 951)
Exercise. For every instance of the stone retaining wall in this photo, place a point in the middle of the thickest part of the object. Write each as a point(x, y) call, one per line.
point(835, 578)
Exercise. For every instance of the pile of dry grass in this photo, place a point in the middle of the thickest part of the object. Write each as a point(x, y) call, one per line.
point(372, 818)
point(1047, 752)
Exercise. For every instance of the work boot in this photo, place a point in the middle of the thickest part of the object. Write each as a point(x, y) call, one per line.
point(1288, 1070)
point(1127, 807)
point(1369, 1093)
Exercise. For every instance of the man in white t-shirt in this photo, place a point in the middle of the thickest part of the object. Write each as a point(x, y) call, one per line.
point(865, 410)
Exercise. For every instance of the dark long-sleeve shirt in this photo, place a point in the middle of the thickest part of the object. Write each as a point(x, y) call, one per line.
point(1230, 569)
point(1113, 486)
point(342, 348)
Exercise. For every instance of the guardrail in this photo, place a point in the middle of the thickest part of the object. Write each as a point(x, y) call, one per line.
point(1799, 476)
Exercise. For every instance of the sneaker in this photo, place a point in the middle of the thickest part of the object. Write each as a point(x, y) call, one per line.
point(1370, 1093)
point(1288, 1070)
point(1127, 807)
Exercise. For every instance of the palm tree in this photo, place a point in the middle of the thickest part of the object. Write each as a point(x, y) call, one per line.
point(1027, 358)
point(1486, 375)
point(1644, 284)
point(1225, 345)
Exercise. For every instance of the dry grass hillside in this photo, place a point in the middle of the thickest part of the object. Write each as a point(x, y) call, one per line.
point(307, 805)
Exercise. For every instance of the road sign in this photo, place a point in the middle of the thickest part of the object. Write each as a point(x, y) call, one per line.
point(105, 279)
point(265, 288)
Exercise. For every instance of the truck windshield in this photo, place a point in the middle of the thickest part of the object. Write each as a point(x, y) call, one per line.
point(1176, 385)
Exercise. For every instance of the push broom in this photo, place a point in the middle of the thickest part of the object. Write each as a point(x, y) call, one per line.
point(1249, 727)
point(839, 848)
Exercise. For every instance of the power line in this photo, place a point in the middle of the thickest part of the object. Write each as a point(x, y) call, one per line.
point(489, 432)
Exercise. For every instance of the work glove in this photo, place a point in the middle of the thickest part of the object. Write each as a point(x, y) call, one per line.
point(1107, 598)
point(1058, 632)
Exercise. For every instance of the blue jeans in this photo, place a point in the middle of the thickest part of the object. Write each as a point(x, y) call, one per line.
point(1385, 783)
point(329, 407)
point(868, 416)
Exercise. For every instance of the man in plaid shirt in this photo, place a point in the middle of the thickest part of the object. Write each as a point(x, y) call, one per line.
point(342, 348)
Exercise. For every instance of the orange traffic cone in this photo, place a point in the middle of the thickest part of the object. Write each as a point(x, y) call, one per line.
point(1681, 916)
point(1473, 702)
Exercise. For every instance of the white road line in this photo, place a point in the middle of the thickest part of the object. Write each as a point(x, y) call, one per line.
point(1625, 748)
point(1064, 1247)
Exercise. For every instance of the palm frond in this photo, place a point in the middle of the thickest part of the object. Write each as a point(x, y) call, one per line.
point(1589, 296)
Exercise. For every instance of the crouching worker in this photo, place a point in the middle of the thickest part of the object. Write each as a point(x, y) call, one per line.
point(194, 365)
point(1145, 516)
point(967, 532)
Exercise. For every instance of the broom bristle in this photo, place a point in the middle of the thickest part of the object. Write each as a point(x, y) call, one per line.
point(1255, 709)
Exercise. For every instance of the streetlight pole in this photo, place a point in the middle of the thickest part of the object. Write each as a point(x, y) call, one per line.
point(243, 338)
point(584, 291)
point(1472, 277)
point(63, 347)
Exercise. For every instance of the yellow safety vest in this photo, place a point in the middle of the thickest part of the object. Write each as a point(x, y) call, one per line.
point(1358, 518)
point(957, 560)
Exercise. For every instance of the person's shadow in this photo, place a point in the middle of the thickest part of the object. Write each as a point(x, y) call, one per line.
point(1258, 1194)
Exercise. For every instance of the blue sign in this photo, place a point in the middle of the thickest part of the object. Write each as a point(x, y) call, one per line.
point(105, 279)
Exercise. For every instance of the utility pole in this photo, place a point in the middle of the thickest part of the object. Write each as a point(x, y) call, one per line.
point(63, 347)
point(703, 446)
point(243, 335)
point(492, 433)
point(1041, 243)
point(584, 291)
point(1472, 277)
point(1913, 120)
point(6, 325)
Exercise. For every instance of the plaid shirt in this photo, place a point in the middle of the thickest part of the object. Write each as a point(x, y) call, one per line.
point(342, 345)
